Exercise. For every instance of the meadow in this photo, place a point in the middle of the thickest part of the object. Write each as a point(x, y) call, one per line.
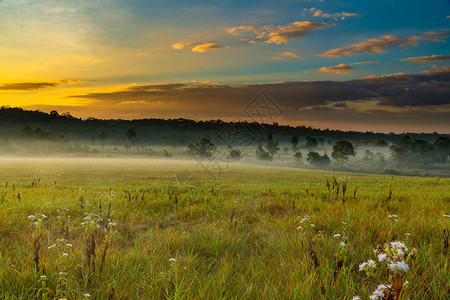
point(105, 228)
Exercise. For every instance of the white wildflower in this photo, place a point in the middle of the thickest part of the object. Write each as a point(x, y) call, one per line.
point(337, 235)
point(399, 266)
point(356, 298)
point(342, 244)
point(52, 246)
point(312, 225)
point(382, 257)
point(173, 259)
point(87, 295)
point(69, 245)
point(446, 216)
point(33, 216)
point(43, 277)
point(65, 254)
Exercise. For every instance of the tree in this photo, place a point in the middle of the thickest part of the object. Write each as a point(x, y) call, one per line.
point(261, 154)
point(272, 146)
point(131, 136)
point(399, 153)
point(342, 150)
point(311, 142)
point(298, 156)
point(203, 148)
point(294, 142)
point(235, 154)
point(102, 138)
point(442, 146)
point(316, 159)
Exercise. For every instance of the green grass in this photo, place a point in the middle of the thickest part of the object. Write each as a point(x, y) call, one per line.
point(234, 235)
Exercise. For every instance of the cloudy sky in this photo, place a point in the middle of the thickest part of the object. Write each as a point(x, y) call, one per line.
point(351, 65)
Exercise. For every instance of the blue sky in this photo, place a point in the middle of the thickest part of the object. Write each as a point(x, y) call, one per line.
point(105, 46)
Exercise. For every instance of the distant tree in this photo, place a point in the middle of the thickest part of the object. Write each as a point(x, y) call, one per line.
point(203, 148)
point(342, 150)
point(442, 146)
point(368, 155)
point(316, 159)
point(377, 142)
point(294, 142)
point(298, 156)
point(261, 154)
point(321, 140)
point(102, 138)
point(311, 142)
point(399, 153)
point(235, 154)
point(272, 146)
point(131, 136)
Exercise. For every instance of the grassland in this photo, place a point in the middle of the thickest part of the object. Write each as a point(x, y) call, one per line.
point(174, 232)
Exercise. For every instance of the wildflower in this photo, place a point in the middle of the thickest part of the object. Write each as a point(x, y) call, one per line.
point(342, 244)
point(407, 233)
point(33, 216)
point(44, 216)
point(43, 277)
point(69, 245)
point(312, 225)
point(398, 248)
point(87, 295)
point(36, 223)
point(52, 246)
point(379, 292)
point(65, 254)
point(112, 224)
point(382, 257)
point(399, 266)
point(368, 264)
point(446, 216)
point(62, 273)
point(393, 216)
point(173, 259)
point(337, 235)
point(299, 227)
point(356, 298)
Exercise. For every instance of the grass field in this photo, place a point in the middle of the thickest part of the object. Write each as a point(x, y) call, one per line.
point(152, 229)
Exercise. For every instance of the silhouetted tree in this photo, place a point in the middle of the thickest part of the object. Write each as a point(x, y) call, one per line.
point(294, 142)
point(272, 146)
point(131, 136)
point(235, 154)
point(261, 154)
point(442, 146)
point(316, 159)
point(203, 148)
point(298, 156)
point(311, 142)
point(102, 138)
point(342, 150)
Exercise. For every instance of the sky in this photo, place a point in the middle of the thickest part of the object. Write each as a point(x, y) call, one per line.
point(379, 66)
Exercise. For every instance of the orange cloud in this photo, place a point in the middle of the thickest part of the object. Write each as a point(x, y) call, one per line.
point(318, 13)
point(197, 47)
point(379, 45)
point(366, 62)
point(421, 59)
point(444, 70)
point(342, 68)
point(286, 55)
point(275, 34)
point(29, 86)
